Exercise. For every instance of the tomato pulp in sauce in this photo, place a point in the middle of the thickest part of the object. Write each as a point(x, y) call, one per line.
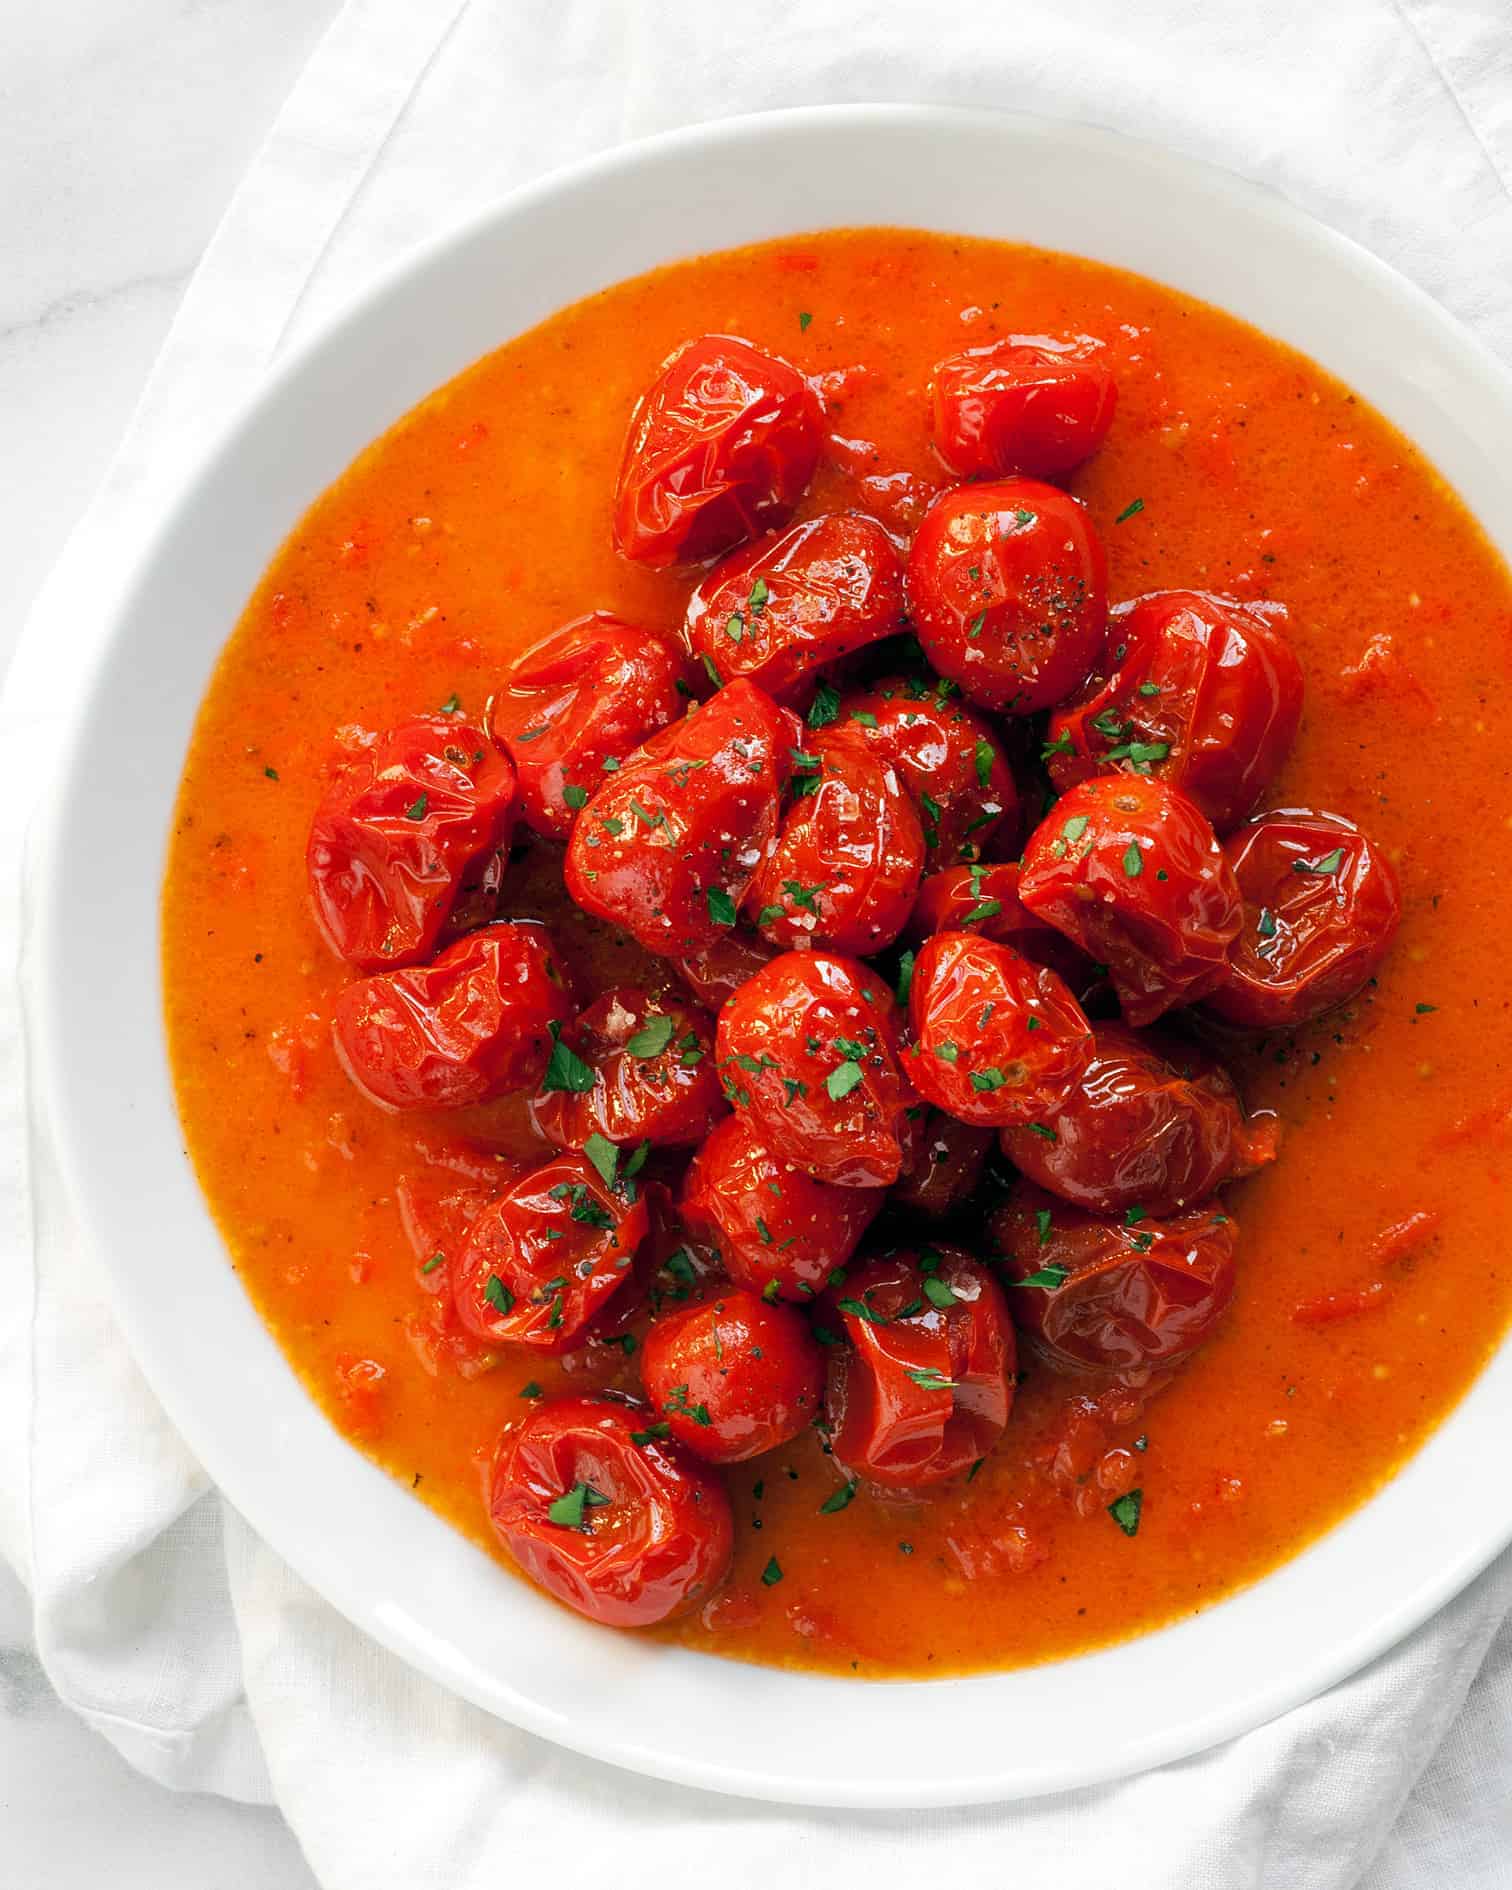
point(482, 520)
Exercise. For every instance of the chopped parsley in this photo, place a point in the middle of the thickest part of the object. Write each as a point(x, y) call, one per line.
point(721, 905)
point(1134, 506)
point(604, 1156)
point(652, 1037)
point(771, 1574)
point(984, 760)
point(843, 1079)
point(575, 796)
point(416, 809)
point(566, 1070)
point(1329, 863)
point(1048, 1277)
point(436, 1260)
point(1125, 1512)
point(499, 1296)
point(832, 1505)
point(825, 707)
point(905, 976)
point(570, 1509)
point(1133, 860)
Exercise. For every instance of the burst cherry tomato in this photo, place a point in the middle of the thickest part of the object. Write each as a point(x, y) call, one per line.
point(1025, 404)
point(721, 447)
point(947, 1167)
point(406, 828)
point(1204, 691)
point(438, 1203)
point(1107, 1293)
point(668, 847)
point(1007, 590)
point(629, 1533)
point(1131, 871)
point(924, 1387)
point(732, 1375)
point(1321, 907)
point(717, 973)
point(651, 1065)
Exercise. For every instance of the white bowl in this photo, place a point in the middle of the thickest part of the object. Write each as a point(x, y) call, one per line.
point(382, 1558)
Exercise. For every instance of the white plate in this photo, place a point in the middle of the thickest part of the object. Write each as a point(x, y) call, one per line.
point(377, 1554)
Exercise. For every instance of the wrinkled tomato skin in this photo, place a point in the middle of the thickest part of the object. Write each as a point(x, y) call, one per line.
point(1150, 1124)
point(473, 1025)
point(946, 1169)
point(406, 827)
point(861, 1138)
point(947, 757)
point(778, 1230)
point(536, 1239)
point(721, 448)
point(588, 693)
point(670, 1098)
point(1212, 680)
point(1163, 930)
point(717, 973)
point(782, 609)
point(1025, 404)
point(1331, 930)
point(732, 1375)
point(659, 1546)
point(693, 811)
point(884, 1425)
point(985, 900)
point(1024, 631)
point(1133, 1297)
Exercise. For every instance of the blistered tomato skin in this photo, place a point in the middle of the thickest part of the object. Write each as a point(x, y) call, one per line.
point(668, 847)
point(1151, 1124)
point(732, 1375)
point(946, 1168)
point(809, 1051)
point(407, 826)
point(1321, 908)
point(1104, 1294)
point(778, 611)
point(721, 448)
point(1132, 872)
point(652, 1062)
point(1008, 592)
point(1025, 404)
point(1203, 691)
point(715, 974)
point(588, 693)
point(923, 1385)
point(647, 1532)
point(779, 1231)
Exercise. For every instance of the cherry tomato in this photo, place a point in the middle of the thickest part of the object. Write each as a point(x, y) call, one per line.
point(733, 1375)
point(650, 1063)
point(717, 973)
point(779, 1231)
point(1321, 907)
point(1007, 590)
point(779, 610)
point(847, 862)
point(924, 1387)
point(946, 756)
point(1203, 691)
point(1024, 404)
point(541, 1260)
point(985, 900)
point(1107, 1293)
point(809, 1050)
point(406, 826)
point(1151, 1124)
point(629, 1533)
point(438, 1203)
point(996, 1038)
point(588, 693)
point(721, 447)
point(1131, 871)
point(668, 847)
point(947, 1168)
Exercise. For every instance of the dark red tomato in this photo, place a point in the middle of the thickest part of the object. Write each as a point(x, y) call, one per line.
point(847, 862)
point(946, 1169)
point(809, 1049)
point(1321, 907)
point(946, 756)
point(408, 824)
point(996, 1038)
point(542, 1259)
point(650, 1064)
point(1204, 691)
point(778, 611)
point(629, 1533)
point(1104, 1293)
point(1008, 592)
point(1024, 404)
point(1151, 1124)
point(473, 1025)
point(717, 973)
point(985, 900)
point(1132, 872)
point(721, 447)
point(668, 847)
point(779, 1231)
point(732, 1375)
point(924, 1387)
point(588, 693)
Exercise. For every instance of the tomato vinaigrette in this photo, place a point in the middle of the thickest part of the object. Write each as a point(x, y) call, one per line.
point(1054, 1479)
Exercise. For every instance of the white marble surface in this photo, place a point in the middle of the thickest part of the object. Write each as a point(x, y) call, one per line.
point(124, 126)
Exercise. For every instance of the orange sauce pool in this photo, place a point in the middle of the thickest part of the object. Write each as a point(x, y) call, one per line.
point(481, 521)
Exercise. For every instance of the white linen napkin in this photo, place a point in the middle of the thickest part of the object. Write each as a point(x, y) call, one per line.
point(159, 1616)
